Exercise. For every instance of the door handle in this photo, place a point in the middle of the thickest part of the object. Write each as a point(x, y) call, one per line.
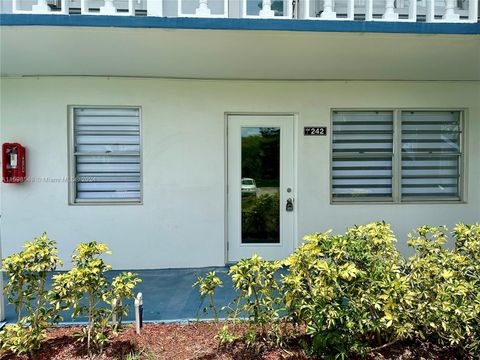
point(289, 206)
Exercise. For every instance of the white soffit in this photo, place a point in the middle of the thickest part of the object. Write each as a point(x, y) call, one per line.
point(236, 54)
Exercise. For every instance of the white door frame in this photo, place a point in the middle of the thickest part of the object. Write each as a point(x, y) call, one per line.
point(294, 193)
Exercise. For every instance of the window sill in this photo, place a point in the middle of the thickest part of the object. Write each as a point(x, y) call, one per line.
point(104, 203)
point(406, 202)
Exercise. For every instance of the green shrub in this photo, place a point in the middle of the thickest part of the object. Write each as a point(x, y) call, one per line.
point(446, 286)
point(259, 301)
point(26, 290)
point(355, 293)
point(207, 287)
point(84, 289)
point(255, 279)
point(348, 290)
point(120, 291)
point(87, 292)
point(467, 243)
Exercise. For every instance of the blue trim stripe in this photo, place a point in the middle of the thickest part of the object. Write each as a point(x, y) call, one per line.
point(239, 24)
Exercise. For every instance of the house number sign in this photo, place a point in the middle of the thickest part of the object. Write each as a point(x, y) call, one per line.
point(315, 131)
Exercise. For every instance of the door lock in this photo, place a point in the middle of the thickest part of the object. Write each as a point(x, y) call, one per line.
point(289, 206)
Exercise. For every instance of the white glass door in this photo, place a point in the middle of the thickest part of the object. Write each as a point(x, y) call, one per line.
point(261, 203)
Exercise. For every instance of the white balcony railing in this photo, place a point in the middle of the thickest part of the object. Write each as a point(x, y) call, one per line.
point(42, 7)
point(451, 11)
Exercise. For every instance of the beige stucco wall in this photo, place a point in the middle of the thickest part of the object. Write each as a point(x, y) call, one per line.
point(182, 220)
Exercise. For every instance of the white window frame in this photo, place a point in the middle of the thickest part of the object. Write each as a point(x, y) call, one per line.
point(72, 193)
point(397, 160)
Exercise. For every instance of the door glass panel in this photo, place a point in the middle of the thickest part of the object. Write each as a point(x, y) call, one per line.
point(260, 185)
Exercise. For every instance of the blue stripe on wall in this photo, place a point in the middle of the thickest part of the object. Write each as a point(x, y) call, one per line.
point(238, 24)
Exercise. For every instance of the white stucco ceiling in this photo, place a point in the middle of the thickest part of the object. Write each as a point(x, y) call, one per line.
point(237, 54)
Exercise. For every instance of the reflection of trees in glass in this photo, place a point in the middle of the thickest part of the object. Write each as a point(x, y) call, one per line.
point(253, 7)
point(277, 6)
point(261, 156)
point(261, 219)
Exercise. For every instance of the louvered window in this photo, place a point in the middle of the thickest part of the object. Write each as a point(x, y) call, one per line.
point(362, 155)
point(106, 155)
point(397, 156)
point(431, 152)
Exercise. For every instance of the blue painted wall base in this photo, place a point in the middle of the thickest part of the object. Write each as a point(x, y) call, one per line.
point(240, 24)
point(167, 295)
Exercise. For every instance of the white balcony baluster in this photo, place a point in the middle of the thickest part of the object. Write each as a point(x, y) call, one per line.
point(107, 9)
point(203, 9)
point(267, 11)
point(473, 11)
point(329, 10)
point(390, 13)
point(40, 8)
point(451, 14)
point(328, 13)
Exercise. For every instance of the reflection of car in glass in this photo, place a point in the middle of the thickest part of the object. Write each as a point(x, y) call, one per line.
point(249, 187)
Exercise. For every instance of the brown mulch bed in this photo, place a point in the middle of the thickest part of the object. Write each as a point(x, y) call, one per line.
point(198, 341)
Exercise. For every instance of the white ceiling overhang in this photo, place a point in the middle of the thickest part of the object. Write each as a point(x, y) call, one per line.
point(237, 54)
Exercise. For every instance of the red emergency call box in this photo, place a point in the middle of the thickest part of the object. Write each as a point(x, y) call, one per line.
point(13, 163)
